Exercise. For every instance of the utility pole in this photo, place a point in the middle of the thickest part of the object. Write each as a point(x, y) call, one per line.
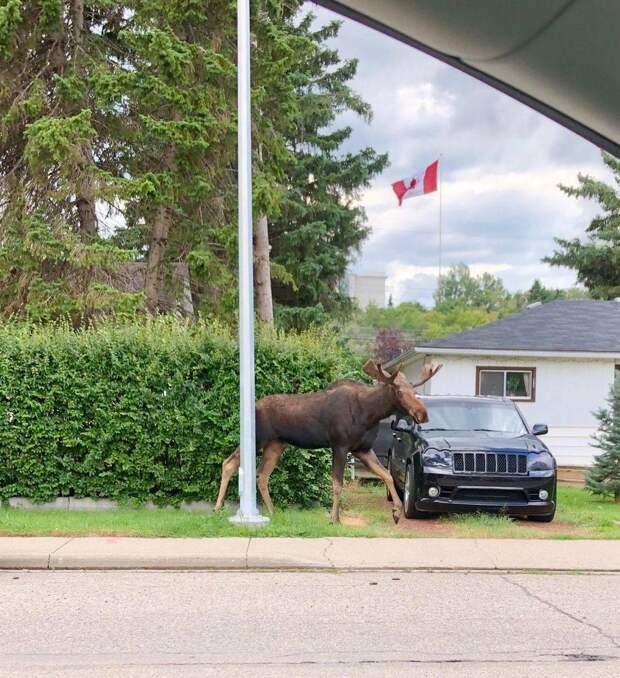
point(248, 512)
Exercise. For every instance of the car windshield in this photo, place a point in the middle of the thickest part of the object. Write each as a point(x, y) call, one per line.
point(473, 415)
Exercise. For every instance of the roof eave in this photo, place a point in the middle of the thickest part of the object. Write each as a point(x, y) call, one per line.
point(437, 350)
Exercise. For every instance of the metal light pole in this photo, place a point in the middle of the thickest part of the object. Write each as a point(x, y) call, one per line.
point(248, 512)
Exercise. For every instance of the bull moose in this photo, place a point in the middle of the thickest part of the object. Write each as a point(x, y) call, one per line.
point(345, 417)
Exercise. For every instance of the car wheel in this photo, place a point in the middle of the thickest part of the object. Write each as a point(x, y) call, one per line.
point(409, 508)
point(542, 519)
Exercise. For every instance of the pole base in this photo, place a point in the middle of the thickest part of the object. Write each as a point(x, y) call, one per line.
point(244, 519)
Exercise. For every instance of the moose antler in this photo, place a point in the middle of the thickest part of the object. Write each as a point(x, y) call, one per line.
point(375, 370)
point(428, 372)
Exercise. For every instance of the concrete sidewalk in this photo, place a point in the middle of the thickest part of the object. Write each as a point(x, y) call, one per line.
point(341, 553)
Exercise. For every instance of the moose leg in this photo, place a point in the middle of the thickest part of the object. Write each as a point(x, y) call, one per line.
point(370, 461)
point(272, 451)
point(229, 468)
point(339, 460)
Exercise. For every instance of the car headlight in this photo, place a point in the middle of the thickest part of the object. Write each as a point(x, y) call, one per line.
point(437, 459)
point(540, 463)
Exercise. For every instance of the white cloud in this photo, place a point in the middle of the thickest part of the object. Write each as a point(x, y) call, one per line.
point(500, 169)
point(419, 104)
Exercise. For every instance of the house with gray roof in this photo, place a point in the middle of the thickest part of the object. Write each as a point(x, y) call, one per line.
point(556, 360)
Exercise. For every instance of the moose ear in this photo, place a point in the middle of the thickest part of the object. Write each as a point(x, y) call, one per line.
point(371, 368)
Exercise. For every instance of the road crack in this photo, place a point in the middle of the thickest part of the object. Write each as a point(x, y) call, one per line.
point(553, 606)
point(247, 551)
point(330, 543)
point(49, 556)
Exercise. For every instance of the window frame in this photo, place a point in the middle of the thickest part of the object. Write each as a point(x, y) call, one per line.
point(505, 369)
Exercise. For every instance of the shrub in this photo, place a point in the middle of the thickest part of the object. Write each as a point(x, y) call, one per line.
point(604, 476)
point(147, 412)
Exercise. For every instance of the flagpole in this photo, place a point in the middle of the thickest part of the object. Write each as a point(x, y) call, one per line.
point(440, 225)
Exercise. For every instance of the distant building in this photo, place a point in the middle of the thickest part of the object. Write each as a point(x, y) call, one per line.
point(367, 289)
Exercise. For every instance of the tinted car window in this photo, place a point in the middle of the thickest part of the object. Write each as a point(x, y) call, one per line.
point(473, 415)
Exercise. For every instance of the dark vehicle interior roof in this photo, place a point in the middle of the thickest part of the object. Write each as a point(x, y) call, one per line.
point(558, 56)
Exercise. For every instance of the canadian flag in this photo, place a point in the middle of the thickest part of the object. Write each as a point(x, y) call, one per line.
point(420, 184)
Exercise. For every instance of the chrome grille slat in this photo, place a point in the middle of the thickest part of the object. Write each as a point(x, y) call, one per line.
point(485, 463)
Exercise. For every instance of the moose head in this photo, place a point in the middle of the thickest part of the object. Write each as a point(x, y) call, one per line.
point(403, 391)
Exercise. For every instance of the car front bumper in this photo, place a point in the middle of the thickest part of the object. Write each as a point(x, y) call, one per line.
point(511, 495)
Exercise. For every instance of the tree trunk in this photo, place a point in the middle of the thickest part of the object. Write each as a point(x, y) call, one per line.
point(617, 498)
point(85, 198)
point(157, 249)
point(158, 240)
point(262, 271)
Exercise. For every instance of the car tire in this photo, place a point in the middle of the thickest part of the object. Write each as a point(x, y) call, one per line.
point(542, 519)
point(409, 508)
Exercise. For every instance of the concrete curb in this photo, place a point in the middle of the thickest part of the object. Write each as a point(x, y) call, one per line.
point(340, 553)
point(101, 504)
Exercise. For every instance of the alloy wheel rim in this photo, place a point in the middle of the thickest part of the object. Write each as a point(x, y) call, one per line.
point(407, 487)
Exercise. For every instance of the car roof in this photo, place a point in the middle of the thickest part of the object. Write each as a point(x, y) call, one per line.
point(557, 56)
point(466, 398)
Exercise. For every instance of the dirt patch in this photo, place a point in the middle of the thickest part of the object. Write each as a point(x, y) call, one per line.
point(442, 526)
point(426, 527)
point(353, 520)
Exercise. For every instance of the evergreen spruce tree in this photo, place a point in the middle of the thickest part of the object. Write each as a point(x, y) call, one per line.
point(172, 102)
point(596, 259)
point(320, 225)
point(129, 109)
point(604, 476)
point(53, 57)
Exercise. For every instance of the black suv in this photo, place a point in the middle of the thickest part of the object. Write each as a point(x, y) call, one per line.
point(474, 454)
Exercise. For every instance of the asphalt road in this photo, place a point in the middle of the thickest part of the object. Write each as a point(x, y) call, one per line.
point(308, 624)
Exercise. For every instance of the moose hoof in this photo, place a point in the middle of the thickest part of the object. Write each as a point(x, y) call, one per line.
point(396, 516)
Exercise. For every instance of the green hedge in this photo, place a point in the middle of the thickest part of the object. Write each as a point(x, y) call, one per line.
point(147, 412)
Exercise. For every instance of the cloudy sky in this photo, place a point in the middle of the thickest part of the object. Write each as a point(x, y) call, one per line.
point(500, 166)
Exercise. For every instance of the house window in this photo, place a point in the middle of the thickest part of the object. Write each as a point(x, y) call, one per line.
point(518, 383)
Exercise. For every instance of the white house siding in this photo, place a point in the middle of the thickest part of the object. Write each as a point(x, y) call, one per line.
point(568, 391)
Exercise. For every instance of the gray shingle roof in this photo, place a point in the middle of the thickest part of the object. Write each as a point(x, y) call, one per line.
point(581, 325)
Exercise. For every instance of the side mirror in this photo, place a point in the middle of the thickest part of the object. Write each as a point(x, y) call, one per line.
point(540, 429)
point(401, 425)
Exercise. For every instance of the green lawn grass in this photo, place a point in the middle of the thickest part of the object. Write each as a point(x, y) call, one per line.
point(365, 514)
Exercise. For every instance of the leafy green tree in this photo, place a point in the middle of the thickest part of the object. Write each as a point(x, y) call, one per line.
point(596, 259)
point(538, 292)
point(459, 288)
point(604, 476)
point(412, 319)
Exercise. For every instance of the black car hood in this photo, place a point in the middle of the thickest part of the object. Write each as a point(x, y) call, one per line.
point(482, 440)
